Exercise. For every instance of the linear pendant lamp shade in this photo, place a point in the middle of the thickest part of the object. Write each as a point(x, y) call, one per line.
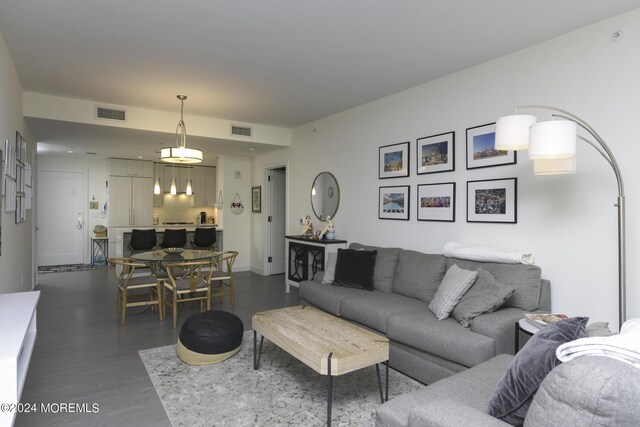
point(156, 186)
point(512, 132)
point(174, 190)
point(555, 139)
point(180, 153)
point(554, 166)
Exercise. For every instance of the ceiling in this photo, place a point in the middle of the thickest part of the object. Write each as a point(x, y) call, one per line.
point(278, 62)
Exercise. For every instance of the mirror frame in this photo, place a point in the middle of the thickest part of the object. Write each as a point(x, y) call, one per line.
point(337, 189)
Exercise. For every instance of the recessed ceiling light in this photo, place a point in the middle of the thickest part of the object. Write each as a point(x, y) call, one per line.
point(140, 157)
point(70, 151)
point(252, 149)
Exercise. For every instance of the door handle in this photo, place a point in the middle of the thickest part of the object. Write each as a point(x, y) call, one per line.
point(80, 223)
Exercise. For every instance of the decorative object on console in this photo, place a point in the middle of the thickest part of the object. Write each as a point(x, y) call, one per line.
point(555, 141)
point(181, 154)
point(436, 153)
point(307, 229)
point(328, 228)
point(354, 269)
point(486, 254)
point(256, 199)
point(482, 151)
point(393, 161)
point(393, 202)
point(236, 205)
point(516, 389)
point(436, 202)
point(455, 284)
point(492, 200)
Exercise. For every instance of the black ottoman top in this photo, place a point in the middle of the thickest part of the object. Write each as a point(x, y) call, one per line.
point(212, 332)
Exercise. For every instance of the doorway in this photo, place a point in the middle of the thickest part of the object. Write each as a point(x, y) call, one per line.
point(61, 200)
point(275, 219)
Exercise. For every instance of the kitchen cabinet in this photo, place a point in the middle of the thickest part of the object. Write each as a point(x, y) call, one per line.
point(204, 186)
point(126, 167)
point(130, 201)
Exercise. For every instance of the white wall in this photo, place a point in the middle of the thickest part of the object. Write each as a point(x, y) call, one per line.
point(236, 228)
point(96, 176)
point(568, 222)
point(16, 267)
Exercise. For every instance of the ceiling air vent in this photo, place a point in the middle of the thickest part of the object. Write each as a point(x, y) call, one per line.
point(110, 114)
point(240, 130)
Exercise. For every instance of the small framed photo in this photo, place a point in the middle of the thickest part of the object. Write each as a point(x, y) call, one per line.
point(437, 202)
point(435, 153)
point(481, 148)
point(393, 160)
point(256, 199)
point(394, 202)
point(493, 200)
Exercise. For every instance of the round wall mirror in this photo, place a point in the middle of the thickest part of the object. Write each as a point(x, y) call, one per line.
point(325, 196)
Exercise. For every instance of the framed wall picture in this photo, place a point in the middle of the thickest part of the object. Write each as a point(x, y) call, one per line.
point(493, 200)
point(435, 153)
point(394, 202)
point(256, 199)
point(437, 202)
point(393, 160)
point(481, 148)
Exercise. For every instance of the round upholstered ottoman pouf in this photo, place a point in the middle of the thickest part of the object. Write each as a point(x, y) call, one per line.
point(210, 337)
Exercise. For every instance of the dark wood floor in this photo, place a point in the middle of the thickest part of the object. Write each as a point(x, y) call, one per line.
point(83, 355)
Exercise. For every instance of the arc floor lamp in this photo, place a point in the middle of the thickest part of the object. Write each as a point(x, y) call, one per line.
point(552, 147)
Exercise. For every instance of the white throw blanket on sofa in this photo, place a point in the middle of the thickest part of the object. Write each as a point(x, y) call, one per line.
point(624, 347)
point(486, 254)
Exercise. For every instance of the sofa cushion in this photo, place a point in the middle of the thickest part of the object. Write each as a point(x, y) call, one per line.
point(385, 269)
point(525, 278)
point(326, 297)
point(443, 338)
point(515, 390)
point(485, 296)
point(330, 268)
point(418, 275)
point(594, 390)
point(354, 269)
point(372, 308)
point(472, 387)
point(456, 282)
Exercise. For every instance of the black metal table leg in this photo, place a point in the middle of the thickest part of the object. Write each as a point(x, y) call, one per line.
point(379, 382)
point(257, 352)
point(329, 390)
point(383, 397)
point(386, 393)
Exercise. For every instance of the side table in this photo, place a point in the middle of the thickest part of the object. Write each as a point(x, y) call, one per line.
point(99, 246)
point(526, 328)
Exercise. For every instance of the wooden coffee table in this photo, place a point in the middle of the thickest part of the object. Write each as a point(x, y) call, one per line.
point(328, 345)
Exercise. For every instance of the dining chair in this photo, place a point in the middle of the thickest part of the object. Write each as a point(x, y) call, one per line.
point(187, 281)
point(142, 240)
point(127, 281)
point(174, 238)
point(222, 276)
point(204, 238)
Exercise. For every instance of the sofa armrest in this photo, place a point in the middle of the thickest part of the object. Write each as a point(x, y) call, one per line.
point(446, 412)
point(499, 325)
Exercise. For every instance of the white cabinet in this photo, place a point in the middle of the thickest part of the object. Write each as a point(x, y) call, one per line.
point(130, 201)
point(18, 336)
point(204, 186)
point(126, 167)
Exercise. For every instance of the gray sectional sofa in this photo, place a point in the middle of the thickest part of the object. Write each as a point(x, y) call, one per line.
point(422, 346)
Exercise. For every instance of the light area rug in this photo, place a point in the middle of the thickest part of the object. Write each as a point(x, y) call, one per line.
point(283, 392)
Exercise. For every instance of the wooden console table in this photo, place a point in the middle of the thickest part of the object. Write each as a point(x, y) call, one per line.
point(305, 257)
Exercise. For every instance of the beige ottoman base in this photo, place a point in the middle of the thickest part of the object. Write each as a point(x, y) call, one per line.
point(193, 358)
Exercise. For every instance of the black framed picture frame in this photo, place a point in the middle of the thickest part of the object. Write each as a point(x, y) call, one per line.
point(393, 202)
point(437, 202)
point(481, 151)
point(393, 160)
point(493, 201)
point(435, 153)
point(256, 199)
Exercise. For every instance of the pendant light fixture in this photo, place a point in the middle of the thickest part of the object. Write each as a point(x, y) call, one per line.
point(189, 189)
point(173, 191)
point(156, 183)
point(180, 153)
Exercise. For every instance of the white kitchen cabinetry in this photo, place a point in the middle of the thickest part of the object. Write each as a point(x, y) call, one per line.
point(126, 167)
point(130, 201)
point(18, 336)
point(204, 186)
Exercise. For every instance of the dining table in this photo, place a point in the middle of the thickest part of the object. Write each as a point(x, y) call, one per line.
point(160, 258)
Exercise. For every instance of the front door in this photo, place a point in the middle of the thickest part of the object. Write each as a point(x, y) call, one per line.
point(61, 200)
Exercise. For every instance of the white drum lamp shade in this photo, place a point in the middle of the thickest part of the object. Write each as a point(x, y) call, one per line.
point(553, 140)
point(554, 166)
point(512, 132)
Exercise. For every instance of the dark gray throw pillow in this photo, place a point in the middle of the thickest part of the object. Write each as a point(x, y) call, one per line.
point(515, 390)
point(354, 269)
point(485, 296)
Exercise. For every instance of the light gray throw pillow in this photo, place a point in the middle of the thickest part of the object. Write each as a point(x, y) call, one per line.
point(330, 267)
point(485, 296)
point(455, 284)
